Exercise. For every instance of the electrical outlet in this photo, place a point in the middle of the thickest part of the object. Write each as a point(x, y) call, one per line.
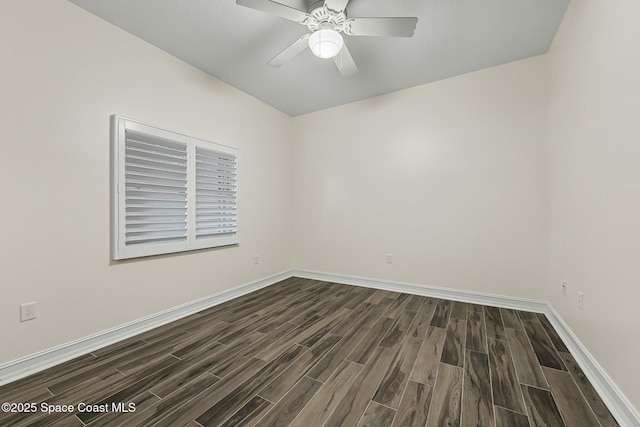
point(27, 311)
point(389, 258)
point(564, 287)
point(580, 300)
point(256, 259)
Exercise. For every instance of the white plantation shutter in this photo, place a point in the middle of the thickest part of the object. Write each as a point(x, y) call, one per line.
point(155, 190)
point(174, 193)
point(215, 193)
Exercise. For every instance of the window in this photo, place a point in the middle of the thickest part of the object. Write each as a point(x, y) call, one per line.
point(172, 193)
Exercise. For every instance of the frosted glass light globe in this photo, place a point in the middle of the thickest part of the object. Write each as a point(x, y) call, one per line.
point(325, 43)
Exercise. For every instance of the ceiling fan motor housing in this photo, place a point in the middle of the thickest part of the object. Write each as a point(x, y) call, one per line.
point(323, 17)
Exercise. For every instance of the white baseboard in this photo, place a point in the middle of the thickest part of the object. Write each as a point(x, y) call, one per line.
point(620, 407)
point(430, 291)
point(25, 366)
point(616, 401)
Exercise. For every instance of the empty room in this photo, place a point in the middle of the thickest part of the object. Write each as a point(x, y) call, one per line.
point(320, 213)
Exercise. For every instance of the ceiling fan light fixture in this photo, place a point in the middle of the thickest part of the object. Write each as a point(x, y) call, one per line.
point(325, 43)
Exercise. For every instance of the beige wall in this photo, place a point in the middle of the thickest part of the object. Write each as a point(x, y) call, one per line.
point(63, 72)
point(448, 177)
point(594, 181)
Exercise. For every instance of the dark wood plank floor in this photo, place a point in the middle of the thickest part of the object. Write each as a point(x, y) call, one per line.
point(309, 353)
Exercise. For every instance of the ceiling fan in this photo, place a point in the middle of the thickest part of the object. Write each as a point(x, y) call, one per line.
point(326, 19)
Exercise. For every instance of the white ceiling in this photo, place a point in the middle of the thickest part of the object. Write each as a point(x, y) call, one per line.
point(233, 43)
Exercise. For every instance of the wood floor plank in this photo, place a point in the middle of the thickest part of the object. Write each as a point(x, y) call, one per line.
point(240, 353)
point(128, 393)
point(372, 317)
point(414, 407)
point(103, 387)
point(322, 405)
point(447, 397)
point(171, 329)
point(355, 401)
point(527, 366)
point(277, 388)
point(376, 297)
point(459, 310)
point(160, 359)
point(71, 421)
point(398, 306)
point(415, 302)
point(526, 315)
point(377, 415)
point(117, 417)
point(595, 402)
point(212, 395)
point(476, 307)
point(504, 380)
point(574, 409)
point(494, 324)
point(315, 333)
point(477, 403)
point(510, 319)
point(249, 414)
point(552, 333)
point(507, 418)
point(331, 305)
point(238, 330)
point(172, 400)
point(119, 347)
point(398, 330)
point(230, 403)
point(85, 391)
point(352, 320)
point(441, 315)
point(426, 367)
point(203, 345)
point(73, 377)
point(303, 313)
point(335, 357)
point(453, 349)
point(542, 346)
point(389, 392)
point(254, 305)
point(31, 395)
point(371, 340)
point(363, 295)
point(291, 404)
point(272, 323)
point(541, 407)
point(392, 294)
point(476, 339)
point(272, 351)
point(422, 320)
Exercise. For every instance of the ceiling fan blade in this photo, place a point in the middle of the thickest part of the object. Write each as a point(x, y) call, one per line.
point(274, 8)
point(344, 62)
point(290, 52)
point(336, 5)
point(392, 27)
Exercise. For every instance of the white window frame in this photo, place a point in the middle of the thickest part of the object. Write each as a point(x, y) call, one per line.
point(120, 248)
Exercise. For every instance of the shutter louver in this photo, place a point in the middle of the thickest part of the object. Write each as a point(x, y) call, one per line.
point(216, 199)
point(155, 190)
